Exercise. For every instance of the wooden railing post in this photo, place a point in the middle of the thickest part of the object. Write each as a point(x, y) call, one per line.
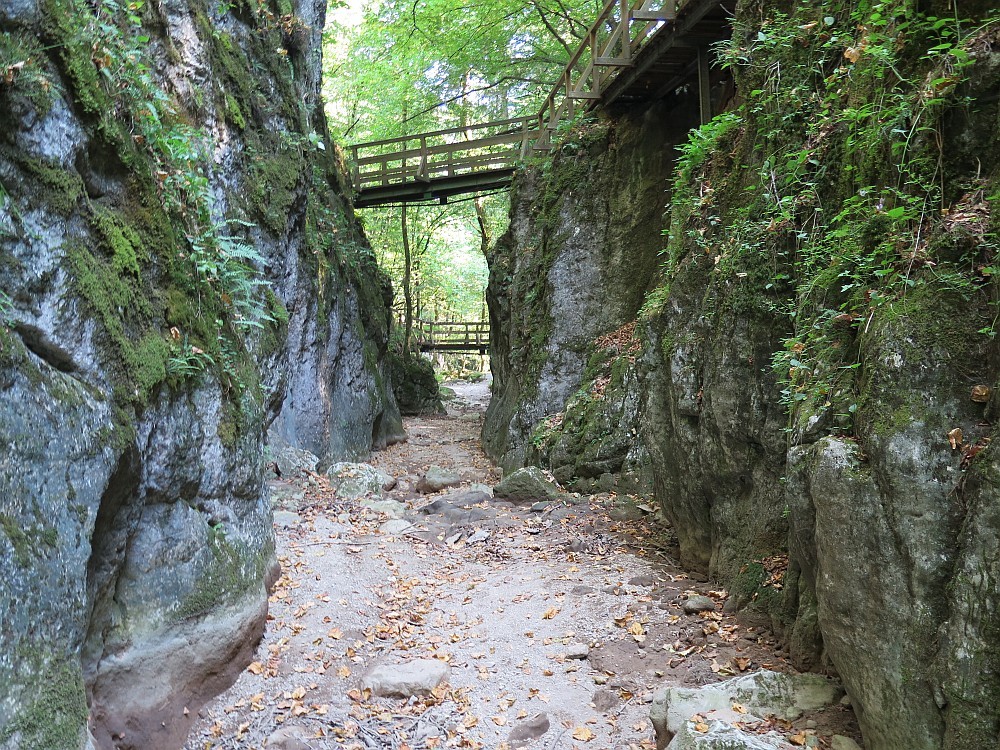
point(355, 169)
point(626, 27)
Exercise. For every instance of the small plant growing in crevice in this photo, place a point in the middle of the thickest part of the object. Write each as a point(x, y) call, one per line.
point(6, 309)
point(226, 270)
point(23, 71)
point(187, 360)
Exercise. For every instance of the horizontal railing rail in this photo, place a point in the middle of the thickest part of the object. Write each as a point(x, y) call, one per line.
point(611, 43)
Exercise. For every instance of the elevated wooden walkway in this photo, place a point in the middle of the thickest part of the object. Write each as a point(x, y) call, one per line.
point(447, 336)
point(636, 50)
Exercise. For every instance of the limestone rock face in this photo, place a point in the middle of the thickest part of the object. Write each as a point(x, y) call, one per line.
point(713, 425)
point(141, 368)
point(815, 396)
point(574, 267)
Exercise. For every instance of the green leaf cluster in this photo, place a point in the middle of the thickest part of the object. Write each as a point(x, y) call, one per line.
point(824, 197)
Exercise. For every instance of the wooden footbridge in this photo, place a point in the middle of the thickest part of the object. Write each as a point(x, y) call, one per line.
point(443, 336)
point(636, 50)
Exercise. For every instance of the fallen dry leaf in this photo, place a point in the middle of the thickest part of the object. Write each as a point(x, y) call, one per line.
point(981, 393)
point(583, 734)
point(955, 438)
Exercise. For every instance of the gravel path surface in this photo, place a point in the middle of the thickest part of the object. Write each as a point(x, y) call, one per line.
point(556, 624)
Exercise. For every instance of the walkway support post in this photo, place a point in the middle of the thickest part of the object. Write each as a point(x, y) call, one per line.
point(704, 85)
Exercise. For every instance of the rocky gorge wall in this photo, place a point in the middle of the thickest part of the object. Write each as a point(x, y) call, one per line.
point(572, 269)
point(183, 288)
point(817, 376)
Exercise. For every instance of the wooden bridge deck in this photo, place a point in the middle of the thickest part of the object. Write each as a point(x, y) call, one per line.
point(636, 50)
point(452, 336)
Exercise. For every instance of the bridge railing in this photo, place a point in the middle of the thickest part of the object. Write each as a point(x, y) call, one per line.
point(612, 42)
point(452, 335)
point(443, 153)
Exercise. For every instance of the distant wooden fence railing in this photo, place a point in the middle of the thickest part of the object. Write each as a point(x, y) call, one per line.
point(611, 43)
point(451, 336)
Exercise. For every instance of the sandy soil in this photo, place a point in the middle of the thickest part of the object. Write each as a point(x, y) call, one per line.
point(501, 612)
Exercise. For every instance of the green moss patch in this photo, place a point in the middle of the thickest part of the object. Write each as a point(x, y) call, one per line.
point(274, 180)
point(235, 572)
point(140, 358)
point(28, 542)
point(55, 715)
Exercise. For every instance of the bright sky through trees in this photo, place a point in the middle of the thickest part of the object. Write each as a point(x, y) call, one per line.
point(398, 67)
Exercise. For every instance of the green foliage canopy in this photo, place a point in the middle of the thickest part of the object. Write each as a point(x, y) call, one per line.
point(397, 68)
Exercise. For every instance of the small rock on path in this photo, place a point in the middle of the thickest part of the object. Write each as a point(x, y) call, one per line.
point(417, 677)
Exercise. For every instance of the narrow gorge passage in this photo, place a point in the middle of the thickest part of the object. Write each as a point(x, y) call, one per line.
point(556, 621)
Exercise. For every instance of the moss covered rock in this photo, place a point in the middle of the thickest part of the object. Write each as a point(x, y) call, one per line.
point(415, 386)
point(157, 316)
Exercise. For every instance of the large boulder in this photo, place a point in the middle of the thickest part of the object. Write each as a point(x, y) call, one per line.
point(352, 481)
point(415, 386)
point(526, 486)
point(762, 694)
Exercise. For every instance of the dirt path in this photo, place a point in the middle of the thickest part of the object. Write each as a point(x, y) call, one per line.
point(509, 598)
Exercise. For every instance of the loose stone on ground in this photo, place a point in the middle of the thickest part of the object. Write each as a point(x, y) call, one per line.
point(354, 481)
point(696, 604)
point(417, 677)
point(527, 486)
point(437, 479)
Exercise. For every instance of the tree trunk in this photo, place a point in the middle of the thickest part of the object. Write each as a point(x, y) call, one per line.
point(407, 292)
point(484, 229)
